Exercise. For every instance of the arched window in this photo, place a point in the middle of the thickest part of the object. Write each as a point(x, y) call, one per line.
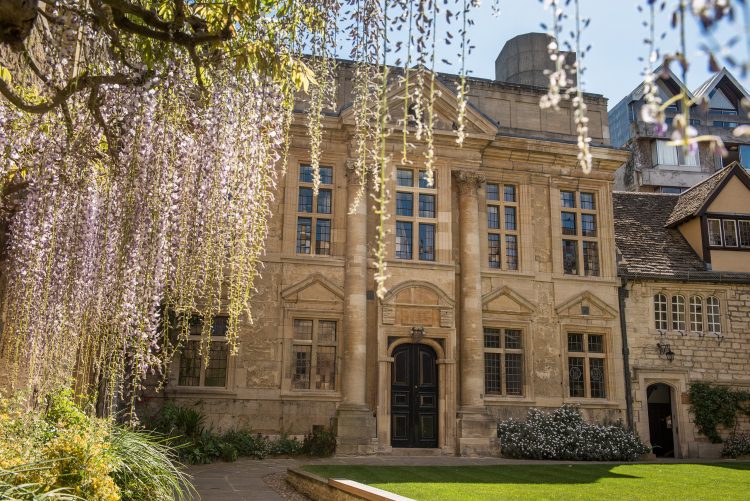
point(713, 314)
point(696, 313)
point(678, 313)
point(660, 312)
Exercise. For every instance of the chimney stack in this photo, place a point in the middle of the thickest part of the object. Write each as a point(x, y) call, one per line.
point(524, 59)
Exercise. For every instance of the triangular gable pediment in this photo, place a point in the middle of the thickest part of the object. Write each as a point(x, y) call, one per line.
point(506, 300)
point(445, 107)
point(586, 305)
point(315, 288)
point(721, 101)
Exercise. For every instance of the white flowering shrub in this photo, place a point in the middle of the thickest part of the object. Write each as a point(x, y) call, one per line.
point(564, 434)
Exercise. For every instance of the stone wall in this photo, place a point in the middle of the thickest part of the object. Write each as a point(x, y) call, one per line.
point(698, 357)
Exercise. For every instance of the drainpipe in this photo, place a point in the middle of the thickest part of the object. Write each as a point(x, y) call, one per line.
point(622, 293)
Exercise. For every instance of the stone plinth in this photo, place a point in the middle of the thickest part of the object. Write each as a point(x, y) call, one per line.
point(356, 433)
point(477, 433)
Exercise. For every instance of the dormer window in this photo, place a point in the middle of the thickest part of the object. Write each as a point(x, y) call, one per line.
point(729, 233)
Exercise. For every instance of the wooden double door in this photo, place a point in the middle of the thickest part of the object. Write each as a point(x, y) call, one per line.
point(414, 397)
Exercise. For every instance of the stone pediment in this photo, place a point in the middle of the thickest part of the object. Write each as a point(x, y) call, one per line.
point(445, 108)
point(506, 300)
point(417, 303)
point(314, 289)
point(586, 306)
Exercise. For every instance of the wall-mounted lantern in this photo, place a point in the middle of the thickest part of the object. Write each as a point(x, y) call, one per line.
point(666, 350)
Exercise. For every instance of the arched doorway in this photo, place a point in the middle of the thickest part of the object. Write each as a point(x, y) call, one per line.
point(661, 419)
point(414, 397)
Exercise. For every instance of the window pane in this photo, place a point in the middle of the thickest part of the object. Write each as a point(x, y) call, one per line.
point(575, 342)
point(575, 377)
point(493, 217)
point(591, 259)
point(678, 313)
point(588, 225)
point(303, 329)
point(596, 343)
point(714, 320)
point(513, 339)
point(306, 174)
point(493, 250)
point(509, 193)
point(660, 311)
point(587, 201)
point(492, 191)
point(511, 251)
point(326, 331)
point(190, 364)
point(492, 373)
point(404, 204)
point(570, 257)
point(730, 233)
point(568, 221)
point(596, 372)
point(510, 218)
point(405, 177)
point(301, 367)
point(744, 233)
point(324, 201)
point(513, 374)
point(304, 237)
point(568, 199)
point(426, 205)
point(326, 175)
point(491, 338)
point(714, 232)
point(325, 369)
point(305, 200)
point(403, 239)
point(219, 327)
point(427, 242)
point(696, 313)
point(323, 237)
point(216, 371)
point(423, 179)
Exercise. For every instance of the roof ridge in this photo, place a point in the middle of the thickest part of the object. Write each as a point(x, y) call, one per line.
point(650, 193)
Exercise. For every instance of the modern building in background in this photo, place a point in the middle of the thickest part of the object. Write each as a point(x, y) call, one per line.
point(655, 166)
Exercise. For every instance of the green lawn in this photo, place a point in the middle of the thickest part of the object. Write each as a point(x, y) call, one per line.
point(670, 482)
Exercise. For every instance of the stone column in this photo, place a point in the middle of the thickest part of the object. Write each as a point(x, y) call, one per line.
point(477, 431)
point(471, 335)
point(355, 294)
point(355, 423)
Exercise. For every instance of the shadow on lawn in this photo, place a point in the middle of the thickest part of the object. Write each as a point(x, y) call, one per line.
point(495, 474)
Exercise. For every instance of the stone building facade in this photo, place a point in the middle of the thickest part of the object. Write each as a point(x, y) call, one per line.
point(686, 303)
point(502, 288)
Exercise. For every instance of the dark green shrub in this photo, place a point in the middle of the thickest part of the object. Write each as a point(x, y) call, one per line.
point(285, 446)
point(736, 445)
point(563, 434)
point(320, 442)
point(248, 444)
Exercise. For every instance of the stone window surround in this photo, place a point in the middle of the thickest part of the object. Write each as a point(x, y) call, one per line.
point(600, 212)
point(704, 294)
point(608, 357)
point(526, 356)
point(502, 230)
point(314, 215)
point(290, 314)
point(229, 386)
point(416, 219)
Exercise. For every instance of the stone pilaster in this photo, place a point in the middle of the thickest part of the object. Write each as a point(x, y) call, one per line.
point(355, 423)
point(476, 429)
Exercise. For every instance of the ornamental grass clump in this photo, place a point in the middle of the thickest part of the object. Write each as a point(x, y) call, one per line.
point(58, 451)
point(563, 434)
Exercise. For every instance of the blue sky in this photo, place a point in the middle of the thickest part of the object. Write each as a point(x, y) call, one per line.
point(615, 33)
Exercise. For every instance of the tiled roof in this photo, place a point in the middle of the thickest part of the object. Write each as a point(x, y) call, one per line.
point(646, 244)
point(692, 201)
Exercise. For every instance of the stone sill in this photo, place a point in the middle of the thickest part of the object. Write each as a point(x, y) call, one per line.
point(406, 263)
point(203, 391)
point(311, 395)
point(494, 401)
point(579, 278)
point(308, 260)
point(492, 272)
point(590, 403)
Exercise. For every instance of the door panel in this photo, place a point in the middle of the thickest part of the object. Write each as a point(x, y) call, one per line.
point(414, 409)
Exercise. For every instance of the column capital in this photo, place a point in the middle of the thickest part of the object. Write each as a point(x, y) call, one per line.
point(353, 174)
point(468, 182)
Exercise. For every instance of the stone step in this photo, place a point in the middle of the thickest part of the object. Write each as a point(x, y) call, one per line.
point(415, 451)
